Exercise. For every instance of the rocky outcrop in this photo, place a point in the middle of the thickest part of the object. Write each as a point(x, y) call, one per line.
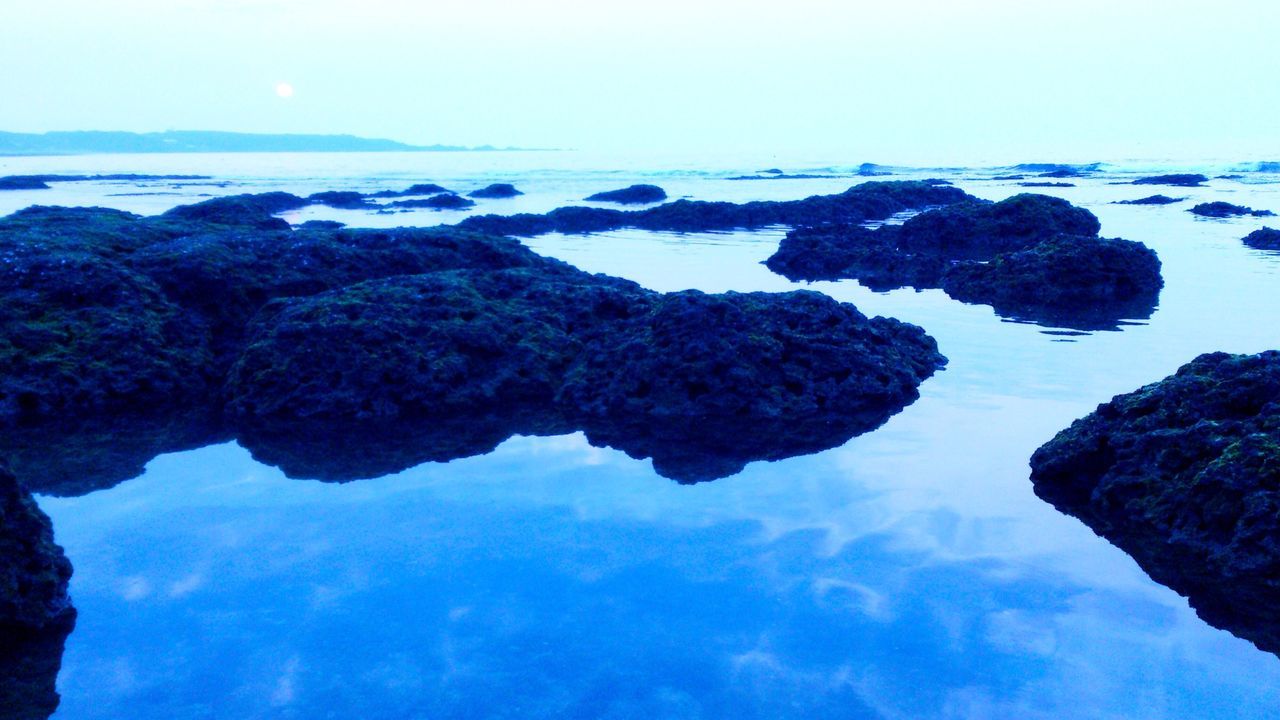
point(416, 189)
point(33, 570)
point(1011, 255)
point(1223, 210)
point(1175, 179)
point(1184, 475)
point(22, 182)
point(341, 199)
point(869, 201)
point(496, 191)
point(1263, 239)
point(631, 195)
point(1151, 200)
point(126, 336)
point(442, 201)
point(36, 614)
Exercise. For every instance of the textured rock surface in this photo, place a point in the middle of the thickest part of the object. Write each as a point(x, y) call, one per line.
point(1176, 179)
point(441, 201)
point(1151, 200)
point(1263, 239)
point(1226, 210)
point(633, 195)
point(1013, 255)
point(496, 190)
point(861, 203)
point(1184, 475)
point(33, 571)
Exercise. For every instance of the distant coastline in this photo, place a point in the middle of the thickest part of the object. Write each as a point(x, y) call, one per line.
point(89, 142)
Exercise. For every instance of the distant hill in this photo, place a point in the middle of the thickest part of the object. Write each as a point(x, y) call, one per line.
point(83, 142)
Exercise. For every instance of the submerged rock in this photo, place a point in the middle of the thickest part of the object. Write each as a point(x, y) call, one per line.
point(1151, 200)
point(496, 190)
point(632, 195)
point(1226, 210)
point(417, 189)
point(1263, 239)
point(1184, 475)
point(1175, 179)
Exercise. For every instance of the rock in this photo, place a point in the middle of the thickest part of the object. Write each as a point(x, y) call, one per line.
point(418, 189)
point(1263, 239)
point(83, 333)
point(1226, 210)
point(22, 182)
point(633, 195)
point(750, 375)
point(1184, 475)
point(36, 614)
point(443, 201)
point(342, 200)
point(1070, 281)
point(123, 336)
point(33, 570)
point(1151, 200)
point(496, 190)
point(321, 225)
point(257, 211)
point(1001, 254)
point(861, 203)
point(1009, 177)
point(1046, 184)
point(1175, 179)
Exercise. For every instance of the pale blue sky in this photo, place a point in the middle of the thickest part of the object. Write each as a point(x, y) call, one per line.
point(906, 81)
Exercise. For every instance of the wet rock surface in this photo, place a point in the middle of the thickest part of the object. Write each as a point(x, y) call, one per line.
point(1175, 179)
point(1263, 239)
point(496, 191)
point(632, 195)
point(1224, 210)
point(33, 571)
point(1151, 200)
point(1184, 475)
point(128, 336)
point(1031, 257)
point(874, 200)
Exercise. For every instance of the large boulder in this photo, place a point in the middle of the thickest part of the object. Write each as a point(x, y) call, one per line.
point(1263, 239)
point(1184, 475)
point(1222, 210)
point(631, 195)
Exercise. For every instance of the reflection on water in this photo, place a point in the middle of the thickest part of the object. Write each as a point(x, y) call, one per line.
point(909, 573)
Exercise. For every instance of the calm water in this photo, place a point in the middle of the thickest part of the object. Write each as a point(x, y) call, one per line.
point(908, 574)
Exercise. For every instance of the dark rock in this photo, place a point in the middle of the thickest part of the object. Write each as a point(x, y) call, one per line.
point(33, 570)
point(256, 211)
point(496, 190)
point(633, 195)
point(1009, 254)
point(443, 201)
point(321, 225)
point(418, 189)
point(22, 182)
point(1046, 184)
point(861, 203)
point(1263, 239)
point(342, 200)
point(1232, 176)
point(1226, 210)
point(1069, 281)
point(36, 614)
point(1067, 172)
point(1184, 475)
point(80, 332)
point(746, 376)
point(1009, 177)
point(1176, 179)
point(1151, 200)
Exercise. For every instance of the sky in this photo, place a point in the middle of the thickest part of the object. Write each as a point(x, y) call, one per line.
point(906, 81)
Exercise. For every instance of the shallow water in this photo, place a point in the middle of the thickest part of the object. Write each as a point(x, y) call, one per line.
point(910, 573)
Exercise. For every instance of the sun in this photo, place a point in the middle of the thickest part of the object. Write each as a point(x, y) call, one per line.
point(284, 90)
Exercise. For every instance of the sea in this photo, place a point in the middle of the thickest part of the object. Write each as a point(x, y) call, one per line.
point(908, 574)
